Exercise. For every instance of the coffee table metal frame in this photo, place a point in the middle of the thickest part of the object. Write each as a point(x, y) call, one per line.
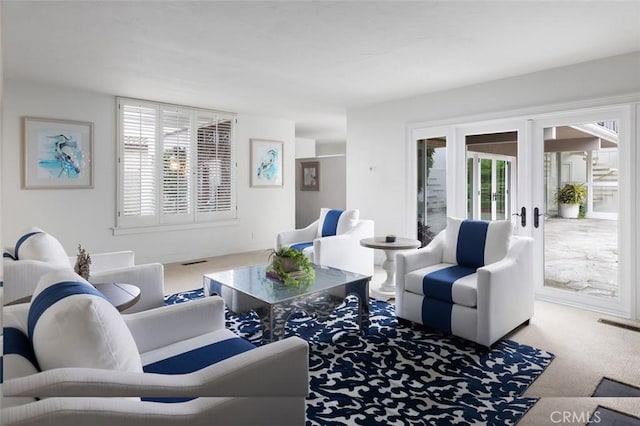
point(248, 288)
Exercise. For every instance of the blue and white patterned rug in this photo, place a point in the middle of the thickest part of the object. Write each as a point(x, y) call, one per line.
point(397, 375)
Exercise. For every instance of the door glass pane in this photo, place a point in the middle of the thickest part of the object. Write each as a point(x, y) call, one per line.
point(490, 182)
point(501, 189)
point(486, 194)
point(470, 191)
point(581, 246)
point(432, 188)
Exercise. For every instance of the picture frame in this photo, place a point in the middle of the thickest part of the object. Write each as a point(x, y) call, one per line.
point(58, 154)
point(310, 176)
point(267, 163)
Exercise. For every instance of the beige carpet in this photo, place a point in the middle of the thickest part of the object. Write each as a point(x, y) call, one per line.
point(585, 349)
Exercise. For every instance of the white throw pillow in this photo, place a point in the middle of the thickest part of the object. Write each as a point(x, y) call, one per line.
point(71, 324)
point(37, 244)
point(347, 220)
point(496, 241)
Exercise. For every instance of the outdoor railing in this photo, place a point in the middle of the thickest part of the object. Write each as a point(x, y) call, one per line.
point(610, 125)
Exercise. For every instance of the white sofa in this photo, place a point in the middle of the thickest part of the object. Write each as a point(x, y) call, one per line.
point(334, 240)
point(45, 254)
point(474, 280)
point(272, 378)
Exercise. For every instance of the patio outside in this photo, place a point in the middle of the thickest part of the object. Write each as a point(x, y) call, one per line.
point(581, 255)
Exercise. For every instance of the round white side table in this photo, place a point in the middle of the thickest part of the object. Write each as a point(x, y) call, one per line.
point(387, 289)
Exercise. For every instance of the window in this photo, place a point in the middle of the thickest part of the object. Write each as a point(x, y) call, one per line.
point(176, 164)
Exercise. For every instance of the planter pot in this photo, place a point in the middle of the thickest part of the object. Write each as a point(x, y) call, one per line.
point(288, 264)
point(569, 211)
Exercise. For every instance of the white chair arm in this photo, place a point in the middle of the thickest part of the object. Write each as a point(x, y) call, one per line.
point(505, 290)
point(344, 251)
point(110, 260)
point(22, 276)
point(364, 229)
point(279, 369)
point(149, 278)
point(197, 412)
point(421, 258)
point(16, 316)
point(307, 234)
point(156, 328)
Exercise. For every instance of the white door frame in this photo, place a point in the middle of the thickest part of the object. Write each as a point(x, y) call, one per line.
point(622, 306)
point(513, 169)
point(416, 134)
point(626, 108)
point(521, 189)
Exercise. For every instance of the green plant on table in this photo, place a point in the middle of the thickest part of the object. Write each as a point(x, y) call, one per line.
point(291, 267)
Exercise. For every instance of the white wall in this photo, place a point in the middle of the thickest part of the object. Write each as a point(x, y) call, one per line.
point(332, 193)
point(305, 147)
point(330, 148)
point(87, 216)
point(377, 135)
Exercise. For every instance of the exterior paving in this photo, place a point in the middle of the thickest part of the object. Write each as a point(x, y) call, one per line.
point(582, 255)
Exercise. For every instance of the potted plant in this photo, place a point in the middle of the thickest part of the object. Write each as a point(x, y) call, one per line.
point(290, 266)
point(569, 198)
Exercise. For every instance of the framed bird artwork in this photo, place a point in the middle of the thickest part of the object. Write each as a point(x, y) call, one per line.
point(58, 154)
point(266, 163)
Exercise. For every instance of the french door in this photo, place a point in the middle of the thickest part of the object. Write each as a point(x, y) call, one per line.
point(584, 261)
point(491, 179)
point(513, 169)
point(496, 181)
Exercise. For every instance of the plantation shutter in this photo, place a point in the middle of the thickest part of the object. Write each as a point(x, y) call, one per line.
point(138, 126)
point(176, 167)
point(214, 167)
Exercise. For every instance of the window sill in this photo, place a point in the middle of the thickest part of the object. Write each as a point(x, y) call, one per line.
point(172, 227)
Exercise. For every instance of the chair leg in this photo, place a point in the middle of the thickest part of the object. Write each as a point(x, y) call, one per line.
point(405, 322)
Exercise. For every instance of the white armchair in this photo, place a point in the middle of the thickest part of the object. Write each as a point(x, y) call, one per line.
point(45, 254)
point(115, 411)
point(235, 376)
point(473, 281)
point(334, 240)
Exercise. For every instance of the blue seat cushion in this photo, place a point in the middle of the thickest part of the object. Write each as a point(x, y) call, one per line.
point(196, 359)
point(301, 246)
point(439, 284)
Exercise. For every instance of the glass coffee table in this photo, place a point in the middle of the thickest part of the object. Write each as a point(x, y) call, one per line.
point(248, 288)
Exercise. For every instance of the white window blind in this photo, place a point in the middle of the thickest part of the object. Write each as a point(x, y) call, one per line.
point(177, 164)
point(176, 149)
point(214, 165)
point(138, 189)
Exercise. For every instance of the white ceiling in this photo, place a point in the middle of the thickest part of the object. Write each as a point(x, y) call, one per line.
point(305, 61)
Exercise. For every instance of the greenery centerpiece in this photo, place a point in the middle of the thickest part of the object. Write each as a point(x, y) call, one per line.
point(569, 199)
point(290, 267)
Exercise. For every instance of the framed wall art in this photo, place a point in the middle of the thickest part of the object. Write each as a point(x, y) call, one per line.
point(310, 176)
point(58, 154)
point(266, 163)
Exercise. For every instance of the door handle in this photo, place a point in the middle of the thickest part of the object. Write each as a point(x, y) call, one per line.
point(536, 215)
point(523, 216)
